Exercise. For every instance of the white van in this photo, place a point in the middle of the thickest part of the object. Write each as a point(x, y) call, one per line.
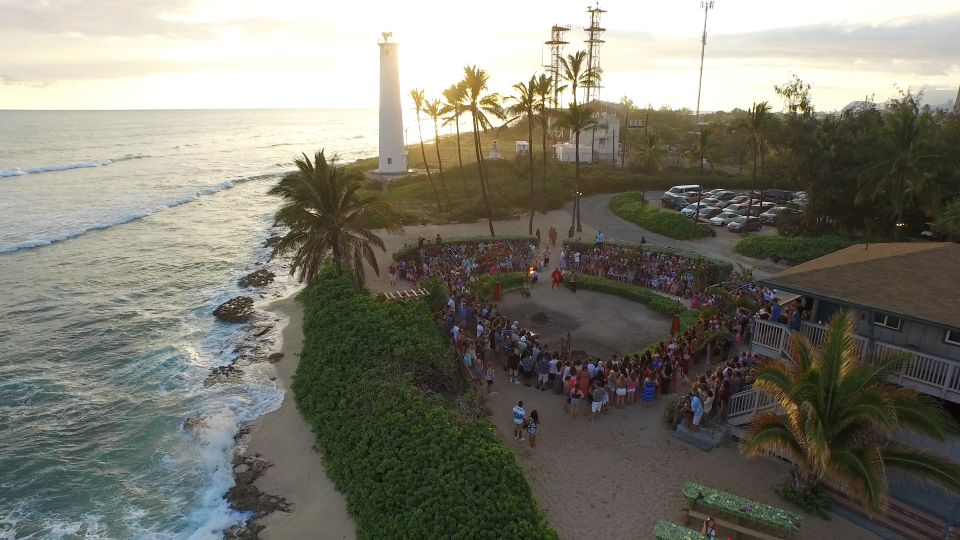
point(683, 191)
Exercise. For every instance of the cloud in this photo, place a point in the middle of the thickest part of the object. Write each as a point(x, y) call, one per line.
point(915, 46)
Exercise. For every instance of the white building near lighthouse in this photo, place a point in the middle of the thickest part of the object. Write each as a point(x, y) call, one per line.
point(393, 155)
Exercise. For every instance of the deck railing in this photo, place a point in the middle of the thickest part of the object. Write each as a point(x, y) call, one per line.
point(927, 373)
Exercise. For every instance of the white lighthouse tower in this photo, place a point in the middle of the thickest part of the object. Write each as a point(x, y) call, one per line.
point(393, 156)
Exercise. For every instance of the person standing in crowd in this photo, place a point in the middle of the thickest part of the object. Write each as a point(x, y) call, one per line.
point(599, 393)
point(538, 236)
point(543, 371)
point(392, 270)
point(556, 278)
point(553, 236)
point(533, 423)
point(519, 414)
point(572, 278)
point(527, 366)
point(600, 239)
point(696, 406)
point(489, 377)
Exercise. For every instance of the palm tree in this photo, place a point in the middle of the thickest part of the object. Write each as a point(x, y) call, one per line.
point(902, 178)
point(651, 153)
point(480, 104)
point(947, 223)
point(705, 146)
point(837, 416)
point(434, 110)
point(755, 129)
point(577, 72)
point(627, 104)
point(577, 118)
point(525, 104)
point(418, 104)
point(544, 88)
point(453, 106)
point(326, 220)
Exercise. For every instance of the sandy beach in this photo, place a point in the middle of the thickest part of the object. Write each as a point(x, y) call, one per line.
point(284, 439)
point(612, 479)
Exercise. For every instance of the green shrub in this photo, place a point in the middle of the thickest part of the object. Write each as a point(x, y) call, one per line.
point(791, 249)
point(816, 503)
point(631, 207)
point(485, 284)
point(410, 467)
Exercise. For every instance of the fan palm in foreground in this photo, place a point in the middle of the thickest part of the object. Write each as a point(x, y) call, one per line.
point(326, 220)
point(838, 415)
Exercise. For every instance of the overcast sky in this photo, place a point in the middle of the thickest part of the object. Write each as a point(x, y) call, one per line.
point(122, 54)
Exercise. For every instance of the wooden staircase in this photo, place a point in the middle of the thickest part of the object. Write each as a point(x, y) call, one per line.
point(403, 295)
point(906, 521)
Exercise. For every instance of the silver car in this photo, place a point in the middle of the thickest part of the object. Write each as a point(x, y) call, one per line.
point(723, 218)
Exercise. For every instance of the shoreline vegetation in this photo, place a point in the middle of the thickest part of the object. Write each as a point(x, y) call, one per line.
point(378, 384)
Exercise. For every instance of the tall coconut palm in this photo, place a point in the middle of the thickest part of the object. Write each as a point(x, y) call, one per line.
point(453, 107)
point(706, 145)
point(481, 104)
point(948, 221)
point(900, 177)
point(651, 152)
point(627, 105)
point(575, 69)
point(838, 415)
point(326, 220)
point(577, 118)
point(545, 89)
point(526, 104)
point(755, 129)
point(419, 101)
point(434, 110)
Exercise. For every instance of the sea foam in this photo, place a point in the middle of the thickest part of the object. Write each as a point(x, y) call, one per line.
point(131, 216)
point(87, 164)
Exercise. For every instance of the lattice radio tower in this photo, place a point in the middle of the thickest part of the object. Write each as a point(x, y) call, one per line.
point(594, 31)
point(556, 44)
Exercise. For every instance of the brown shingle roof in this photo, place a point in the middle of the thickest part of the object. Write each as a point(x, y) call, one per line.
point(914, 280)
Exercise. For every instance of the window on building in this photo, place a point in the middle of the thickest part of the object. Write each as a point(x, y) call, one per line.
point(389, 161)
point(603, 141)
point(952, 337)
point(887, 321)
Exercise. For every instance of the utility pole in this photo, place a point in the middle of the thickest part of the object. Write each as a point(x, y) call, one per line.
point(707, 6)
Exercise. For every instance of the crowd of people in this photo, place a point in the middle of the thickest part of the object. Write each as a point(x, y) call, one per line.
point(483, 336)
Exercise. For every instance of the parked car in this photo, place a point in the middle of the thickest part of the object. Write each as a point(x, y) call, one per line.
point(928, 233)
point(761, 207)
point(723, 204)
point(710, 201)
point(725, 195)
point(739, 208)
point(712, 192)
point(772, 215)
point(683, 190)
point(709, 212)
point(691, 209)
point(744, 224)
point(671, 200)
point(778, 195)
point(724, 217)
point(739, 199)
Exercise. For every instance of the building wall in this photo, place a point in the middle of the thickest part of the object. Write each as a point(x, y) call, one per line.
point(912, 335)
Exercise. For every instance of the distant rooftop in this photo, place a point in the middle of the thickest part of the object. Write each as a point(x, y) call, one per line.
point(914, 280)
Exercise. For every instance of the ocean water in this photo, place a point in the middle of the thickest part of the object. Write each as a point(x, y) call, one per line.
point(120, 232)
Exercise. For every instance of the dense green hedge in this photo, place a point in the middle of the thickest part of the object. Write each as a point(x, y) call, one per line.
point(410, 249)
point(720, 265)
point(631, 207)
point(791, 249)
point(410, 467)
point(484, 286)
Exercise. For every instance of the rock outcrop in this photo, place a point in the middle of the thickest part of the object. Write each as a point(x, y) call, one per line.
point(275, 357)
point(257, 279)
point(222, 374)
point(272, 241)
point(235, 310)
point(246, 497)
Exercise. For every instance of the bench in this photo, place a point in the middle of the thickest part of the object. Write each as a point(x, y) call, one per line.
point(725, 525)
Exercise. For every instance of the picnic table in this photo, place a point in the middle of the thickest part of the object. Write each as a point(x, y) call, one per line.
point(665, 530)
point(741, 508)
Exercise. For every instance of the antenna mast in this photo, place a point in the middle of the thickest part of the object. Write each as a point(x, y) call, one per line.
point(594, 31)
point(556, 44)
